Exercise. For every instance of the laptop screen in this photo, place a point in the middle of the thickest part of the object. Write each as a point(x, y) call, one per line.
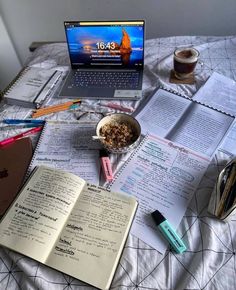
point(110, 43)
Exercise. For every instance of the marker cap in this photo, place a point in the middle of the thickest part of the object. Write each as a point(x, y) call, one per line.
point(158, 217)
point(103, 153)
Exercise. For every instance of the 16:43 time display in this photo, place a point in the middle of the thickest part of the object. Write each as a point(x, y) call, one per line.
point(106, 45)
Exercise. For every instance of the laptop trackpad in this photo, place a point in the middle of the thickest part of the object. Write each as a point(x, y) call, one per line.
point(108, 93)
point(101, 93)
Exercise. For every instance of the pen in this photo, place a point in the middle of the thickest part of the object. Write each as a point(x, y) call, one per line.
point(19, 136)
point(23, 121)
point(117, 107)
point(168, 232)
point(106, 165)
point(16, 126)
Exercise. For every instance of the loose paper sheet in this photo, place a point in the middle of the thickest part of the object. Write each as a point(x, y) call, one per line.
point(219, 92)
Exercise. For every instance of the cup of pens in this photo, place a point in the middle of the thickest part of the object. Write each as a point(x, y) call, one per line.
point(118, 132)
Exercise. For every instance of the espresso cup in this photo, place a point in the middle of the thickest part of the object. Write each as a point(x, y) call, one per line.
point(185, 60)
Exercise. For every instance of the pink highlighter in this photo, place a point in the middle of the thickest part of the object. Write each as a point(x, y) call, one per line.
point(106, 165)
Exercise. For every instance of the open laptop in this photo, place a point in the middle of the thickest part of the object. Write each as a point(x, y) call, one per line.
point(107, 59)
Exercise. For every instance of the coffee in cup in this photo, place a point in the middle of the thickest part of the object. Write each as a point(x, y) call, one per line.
point(185, 60)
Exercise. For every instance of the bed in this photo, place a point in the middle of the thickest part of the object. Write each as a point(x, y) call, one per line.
point(210, 260)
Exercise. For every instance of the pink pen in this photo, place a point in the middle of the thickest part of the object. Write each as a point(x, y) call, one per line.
point(12, 139)
point(118, 107)
point(106, 165)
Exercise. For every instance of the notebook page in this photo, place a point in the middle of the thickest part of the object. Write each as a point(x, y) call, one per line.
point(160, 175)
point(69, 146)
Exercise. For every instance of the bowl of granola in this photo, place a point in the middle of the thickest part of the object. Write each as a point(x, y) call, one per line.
point(119, 132)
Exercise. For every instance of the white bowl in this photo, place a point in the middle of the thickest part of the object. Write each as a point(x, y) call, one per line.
point(120, 118)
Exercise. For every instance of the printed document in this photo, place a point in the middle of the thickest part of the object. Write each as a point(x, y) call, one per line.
point(218, 92)
point(184, 121)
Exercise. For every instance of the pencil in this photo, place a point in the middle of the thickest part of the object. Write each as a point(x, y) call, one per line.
point(54, 109)
point(67, 104)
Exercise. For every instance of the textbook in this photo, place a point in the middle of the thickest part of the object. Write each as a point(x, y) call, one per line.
point(32, 87)
point(65, 223)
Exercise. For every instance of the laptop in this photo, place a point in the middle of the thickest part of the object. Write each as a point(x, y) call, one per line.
point(107, 59)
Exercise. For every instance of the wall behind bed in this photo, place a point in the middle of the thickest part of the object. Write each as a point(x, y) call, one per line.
point(42, 20)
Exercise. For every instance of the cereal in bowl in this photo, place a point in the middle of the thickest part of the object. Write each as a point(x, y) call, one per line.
point(117, 134)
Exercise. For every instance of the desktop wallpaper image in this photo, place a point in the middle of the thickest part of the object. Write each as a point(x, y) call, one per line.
point(102, 45)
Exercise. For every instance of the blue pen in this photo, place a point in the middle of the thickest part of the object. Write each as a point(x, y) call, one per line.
point(18, 126)
point(23, 121)
point(168, 232)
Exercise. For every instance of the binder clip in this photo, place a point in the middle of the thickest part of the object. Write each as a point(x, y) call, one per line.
point(222, 203)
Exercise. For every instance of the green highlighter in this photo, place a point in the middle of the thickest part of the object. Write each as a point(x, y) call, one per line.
point(168, 232)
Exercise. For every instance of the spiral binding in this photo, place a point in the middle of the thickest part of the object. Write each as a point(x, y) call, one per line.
point(127, 161)
point(29, 170)
point(14, 82)
point(195, 101)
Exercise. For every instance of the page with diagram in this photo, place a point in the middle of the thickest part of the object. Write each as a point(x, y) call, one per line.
point(162, 176)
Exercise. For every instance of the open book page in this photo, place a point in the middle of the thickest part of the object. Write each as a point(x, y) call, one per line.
point(202, 129)
point(183, 121)
point(160, 115)
point(91, 243)
point(218, 92)
point(35, 219)
point(162, 176)
point(68, 145)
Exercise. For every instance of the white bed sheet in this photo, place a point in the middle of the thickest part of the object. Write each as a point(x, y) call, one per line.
point(210, 261)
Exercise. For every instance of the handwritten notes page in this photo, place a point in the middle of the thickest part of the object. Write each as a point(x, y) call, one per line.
point(65, 223)
point(161, 175)
point(93, 238)
point(35, 220)
point(219, 92)
point(181, 120)
point(69, 146)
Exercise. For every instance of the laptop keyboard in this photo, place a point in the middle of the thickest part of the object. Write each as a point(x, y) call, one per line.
point(106, 79)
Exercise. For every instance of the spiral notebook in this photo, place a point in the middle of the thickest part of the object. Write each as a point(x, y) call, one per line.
point(32, 87)
point(68, 145)
point(160, 174)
